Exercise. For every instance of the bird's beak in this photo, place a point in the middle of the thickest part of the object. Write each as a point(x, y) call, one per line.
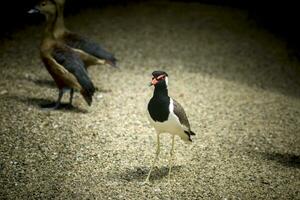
point(153, 82)
point(33, 11)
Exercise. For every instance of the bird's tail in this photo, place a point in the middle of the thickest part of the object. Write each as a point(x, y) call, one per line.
point(112, 61)
point(192, 133)
point(187, 136)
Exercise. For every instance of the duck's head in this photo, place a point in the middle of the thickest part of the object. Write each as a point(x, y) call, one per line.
point(45, 7)
point(159, 79)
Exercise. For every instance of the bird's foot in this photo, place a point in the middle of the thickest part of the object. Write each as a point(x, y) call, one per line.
point(169, 181)
point(146, 182)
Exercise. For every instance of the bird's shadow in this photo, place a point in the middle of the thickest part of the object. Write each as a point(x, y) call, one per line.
point(285, 159)
point(140, 173)
point(61, 107)
point(45, 83)
point(51, 84)
point(44, 104)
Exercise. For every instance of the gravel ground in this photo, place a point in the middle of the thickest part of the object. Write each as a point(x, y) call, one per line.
point(238, 86)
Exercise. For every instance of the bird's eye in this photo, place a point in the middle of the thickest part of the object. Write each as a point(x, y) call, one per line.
point(43, 3)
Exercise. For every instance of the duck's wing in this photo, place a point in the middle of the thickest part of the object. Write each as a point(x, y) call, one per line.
point(70, 63)
point(79, 42)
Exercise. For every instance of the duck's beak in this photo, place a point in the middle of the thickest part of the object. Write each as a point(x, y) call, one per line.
point(33, 11)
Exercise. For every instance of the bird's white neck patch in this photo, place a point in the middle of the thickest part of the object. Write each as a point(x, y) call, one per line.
point(171, 106)
point(167, 81)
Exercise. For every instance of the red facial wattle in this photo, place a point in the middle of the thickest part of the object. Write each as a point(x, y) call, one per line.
point(157, 79)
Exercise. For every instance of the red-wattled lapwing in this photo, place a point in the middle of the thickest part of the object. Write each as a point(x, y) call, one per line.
point(167, 116)
point(63, 64)
point(90, 52)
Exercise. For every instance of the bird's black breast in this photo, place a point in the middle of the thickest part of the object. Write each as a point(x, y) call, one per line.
point(158, 108)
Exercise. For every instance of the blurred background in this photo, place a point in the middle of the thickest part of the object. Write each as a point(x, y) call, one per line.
point(279, 17)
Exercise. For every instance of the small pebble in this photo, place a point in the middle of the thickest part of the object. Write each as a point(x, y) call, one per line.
point(3, 92)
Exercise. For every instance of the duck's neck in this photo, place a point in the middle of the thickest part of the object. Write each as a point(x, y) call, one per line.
point(48, 37)
point(59, 26)
point(161, 91)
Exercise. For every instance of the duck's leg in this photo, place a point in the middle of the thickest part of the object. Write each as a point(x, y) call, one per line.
point(155, 159)
point(60, 95)
point(71, 96)
point(171, 157)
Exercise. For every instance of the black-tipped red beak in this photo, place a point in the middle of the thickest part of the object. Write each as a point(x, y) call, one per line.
point(153, 82)
point(157, 79)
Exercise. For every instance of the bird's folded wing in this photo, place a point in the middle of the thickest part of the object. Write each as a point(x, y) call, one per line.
point(80, 42)
point(61, 73)
point(180, 113)
point(74, 65)
point(88, 58)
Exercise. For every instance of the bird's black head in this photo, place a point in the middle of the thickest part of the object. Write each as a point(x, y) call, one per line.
point(159, 73)
point(159, 79)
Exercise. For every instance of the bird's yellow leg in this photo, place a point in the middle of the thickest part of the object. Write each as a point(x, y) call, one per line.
point(155, 159)
point(171, 157)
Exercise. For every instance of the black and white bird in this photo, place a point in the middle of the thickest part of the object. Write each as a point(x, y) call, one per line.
point(167, 116)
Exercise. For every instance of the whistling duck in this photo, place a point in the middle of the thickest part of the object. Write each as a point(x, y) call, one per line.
point(90, 52)
point(64, 65)
point(166, 115)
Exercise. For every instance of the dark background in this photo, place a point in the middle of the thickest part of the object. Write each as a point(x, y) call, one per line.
point(279, 17)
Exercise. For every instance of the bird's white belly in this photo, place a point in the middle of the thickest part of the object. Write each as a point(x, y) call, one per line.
point(171, 125)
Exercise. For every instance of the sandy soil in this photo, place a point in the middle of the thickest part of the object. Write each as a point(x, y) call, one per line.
point(238, 86)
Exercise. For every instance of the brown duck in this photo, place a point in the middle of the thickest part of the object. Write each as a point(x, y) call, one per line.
point(90, 52)
point(64, 65)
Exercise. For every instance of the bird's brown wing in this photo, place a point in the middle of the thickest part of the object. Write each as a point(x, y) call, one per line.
point(180, 113)
point(88, 59)
point(61, 75)
point(71, 62)
point(79, 42)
